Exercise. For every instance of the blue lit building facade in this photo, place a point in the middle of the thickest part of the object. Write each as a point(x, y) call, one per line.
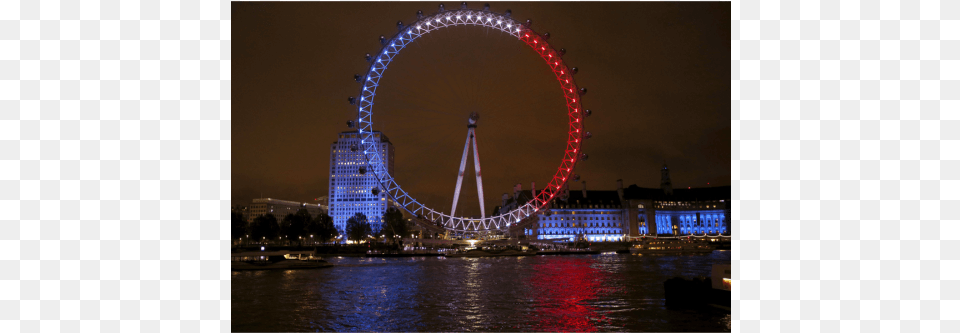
point(695, 217)
point(350, 186)
point(596, 216)
point(667, 212)
point(629, 212)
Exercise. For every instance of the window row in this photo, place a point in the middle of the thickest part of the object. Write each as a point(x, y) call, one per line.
point(582, 225)
point(588, 218)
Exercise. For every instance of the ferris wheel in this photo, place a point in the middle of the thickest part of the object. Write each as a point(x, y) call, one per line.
point(464, 16)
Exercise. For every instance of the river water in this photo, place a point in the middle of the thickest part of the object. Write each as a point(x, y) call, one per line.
point(606, 292)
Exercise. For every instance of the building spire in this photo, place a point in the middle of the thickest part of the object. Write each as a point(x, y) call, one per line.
point(665, 184)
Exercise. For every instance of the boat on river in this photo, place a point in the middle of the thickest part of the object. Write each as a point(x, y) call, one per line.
point(244, 261)
point(672, 247)
point(568, 251)
point(490, 253)
point(402, 254)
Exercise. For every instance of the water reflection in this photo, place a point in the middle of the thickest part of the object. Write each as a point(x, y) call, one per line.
point(542, 293)
point(562, 288)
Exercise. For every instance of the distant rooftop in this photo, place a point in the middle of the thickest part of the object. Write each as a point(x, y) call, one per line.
point(282, 202)
point(679, 194)
point(383, 137)
point(593, 198)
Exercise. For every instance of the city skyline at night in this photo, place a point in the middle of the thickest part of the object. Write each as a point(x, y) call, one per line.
point(662, 95)
point(644, 89)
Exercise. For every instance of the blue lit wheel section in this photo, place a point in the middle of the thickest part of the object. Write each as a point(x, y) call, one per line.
point(518, 30)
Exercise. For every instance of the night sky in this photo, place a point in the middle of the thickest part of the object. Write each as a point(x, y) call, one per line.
point(658, 76)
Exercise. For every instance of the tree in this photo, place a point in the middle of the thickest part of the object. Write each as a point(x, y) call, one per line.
point(322, 228)
point(286, 227)
point(264, 227)
point(293, 226)
point(376, 229)
point(238, 227)
point(330, 230)
point(357, 227)
point(394, 225)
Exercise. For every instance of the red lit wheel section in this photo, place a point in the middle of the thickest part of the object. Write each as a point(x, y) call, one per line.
point(483, 18)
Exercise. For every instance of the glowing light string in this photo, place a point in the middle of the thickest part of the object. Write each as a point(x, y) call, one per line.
point(381, 61)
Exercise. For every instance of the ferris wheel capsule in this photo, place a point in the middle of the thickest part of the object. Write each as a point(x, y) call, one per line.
point(562, 51)
point(420, 14)
point(356, 77)
point(546, 36)
point(574, 70)
point(587, 135)
point(486, 7)
point(440, 6)
point(363, 170)
point(584, 156)
point(400, 25)
point(350, 123)
point(575, 178)
point(375, 191)
point(368, 57)
point(354, 148)
point(587, 112)
point(383, 40)
point(583, 91)
point(508, 13)
point(463, 5)
point(352, 100)
point(528, 23)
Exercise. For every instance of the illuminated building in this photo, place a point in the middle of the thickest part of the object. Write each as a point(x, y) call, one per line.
point(351, 185)
point(668, 211)
point(323, 202)
point(629, 212)
point(280, 208)
point(596, 216)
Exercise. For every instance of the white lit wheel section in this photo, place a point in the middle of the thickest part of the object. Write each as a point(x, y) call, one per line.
point(426, 24)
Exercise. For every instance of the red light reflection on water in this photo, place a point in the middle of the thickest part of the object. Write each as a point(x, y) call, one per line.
point(561, 291)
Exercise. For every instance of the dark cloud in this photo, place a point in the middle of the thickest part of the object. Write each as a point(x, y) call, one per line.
point(658, 76)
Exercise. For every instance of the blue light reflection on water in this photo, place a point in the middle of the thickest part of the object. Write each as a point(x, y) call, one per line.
point(541, 293)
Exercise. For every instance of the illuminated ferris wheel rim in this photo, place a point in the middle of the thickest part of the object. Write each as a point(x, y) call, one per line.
point(484, 18)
